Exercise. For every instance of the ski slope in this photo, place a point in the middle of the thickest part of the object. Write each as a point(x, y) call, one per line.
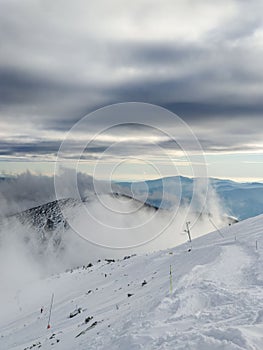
point(216, 301)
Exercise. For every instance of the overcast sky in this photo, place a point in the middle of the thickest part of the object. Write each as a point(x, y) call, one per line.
point(202, 60)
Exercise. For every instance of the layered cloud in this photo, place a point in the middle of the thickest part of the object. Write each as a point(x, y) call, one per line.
point(61, 60)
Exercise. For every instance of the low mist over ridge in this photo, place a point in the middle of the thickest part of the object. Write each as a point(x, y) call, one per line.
point(61, 233)
point(26, 190)
point(57, 234)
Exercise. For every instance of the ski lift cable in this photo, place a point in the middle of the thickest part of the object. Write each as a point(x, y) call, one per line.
point(221, 234)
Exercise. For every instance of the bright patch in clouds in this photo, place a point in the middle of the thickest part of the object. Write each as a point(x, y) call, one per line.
point(61, 60)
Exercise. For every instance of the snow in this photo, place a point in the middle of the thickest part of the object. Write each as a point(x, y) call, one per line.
point(216, 302)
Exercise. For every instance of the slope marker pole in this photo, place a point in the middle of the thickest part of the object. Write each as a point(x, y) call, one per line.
point(171, 280)
point(49, 317)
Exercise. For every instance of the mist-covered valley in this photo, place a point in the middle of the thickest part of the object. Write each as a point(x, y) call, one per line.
point(41, 234)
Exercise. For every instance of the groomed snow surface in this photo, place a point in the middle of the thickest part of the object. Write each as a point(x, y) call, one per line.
point(216, 302)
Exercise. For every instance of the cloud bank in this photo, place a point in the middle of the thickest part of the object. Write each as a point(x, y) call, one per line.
point(59, 61)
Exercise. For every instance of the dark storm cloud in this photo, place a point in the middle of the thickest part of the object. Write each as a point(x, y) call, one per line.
point(62, 60)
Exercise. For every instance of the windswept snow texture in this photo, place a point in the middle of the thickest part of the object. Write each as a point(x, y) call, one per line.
point(216, 302)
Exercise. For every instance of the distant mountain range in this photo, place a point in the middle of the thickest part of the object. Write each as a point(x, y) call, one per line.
point(244, 200)
point(241, 200)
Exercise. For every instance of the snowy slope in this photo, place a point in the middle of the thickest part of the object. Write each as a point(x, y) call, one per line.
point(45, 236)
point(216, 303)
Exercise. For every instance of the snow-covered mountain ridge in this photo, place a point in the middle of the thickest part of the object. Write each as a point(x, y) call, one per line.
point(45, 231)
point(216, 300)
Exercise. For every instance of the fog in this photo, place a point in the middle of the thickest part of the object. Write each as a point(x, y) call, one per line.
point(26, 190)
point(103, 227)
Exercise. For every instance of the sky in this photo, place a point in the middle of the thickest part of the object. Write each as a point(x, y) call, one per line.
point(202, 60)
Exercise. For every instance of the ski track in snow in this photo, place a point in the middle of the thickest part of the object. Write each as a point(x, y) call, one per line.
point(216, 303)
